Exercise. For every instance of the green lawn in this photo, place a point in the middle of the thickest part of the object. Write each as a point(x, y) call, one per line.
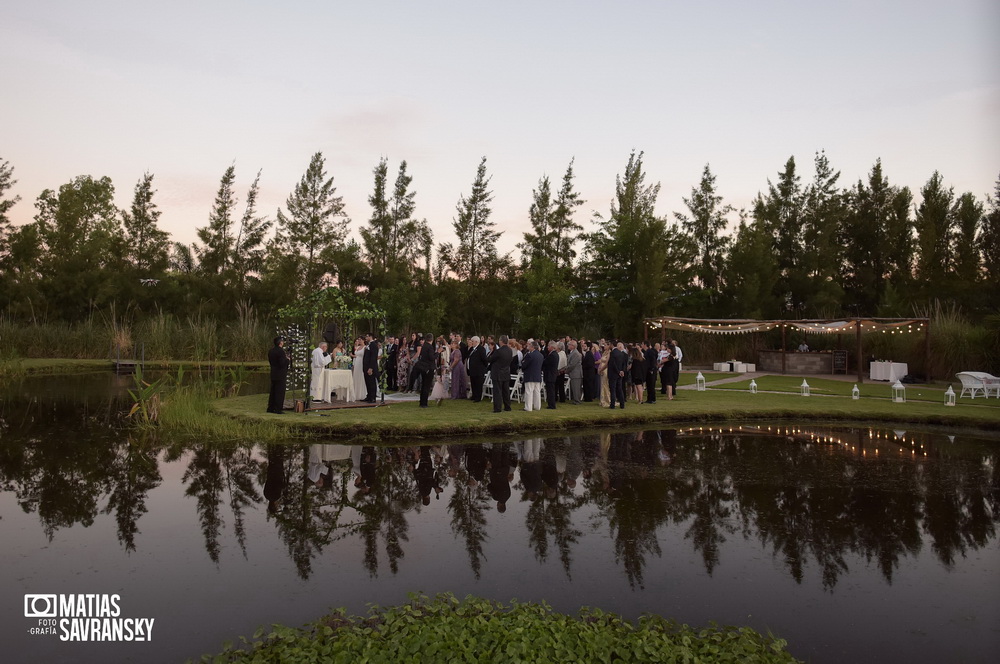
point(820, 386)
point(713, 405)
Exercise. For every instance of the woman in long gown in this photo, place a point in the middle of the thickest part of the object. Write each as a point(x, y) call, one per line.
point(459, 379)
point(602, 370)
point(402, 366)
point(360, 389)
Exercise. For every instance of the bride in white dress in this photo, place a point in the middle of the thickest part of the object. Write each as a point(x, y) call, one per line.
point(360, 390)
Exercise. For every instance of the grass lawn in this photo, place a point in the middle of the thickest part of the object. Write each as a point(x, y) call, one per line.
point(462, 417)
point(820, 386)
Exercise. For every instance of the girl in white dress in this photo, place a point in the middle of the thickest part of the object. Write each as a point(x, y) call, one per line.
point(360, 390)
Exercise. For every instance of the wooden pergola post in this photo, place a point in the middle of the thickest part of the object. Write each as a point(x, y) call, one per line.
point(783, 326)
point(861, 375)
point(927, 349)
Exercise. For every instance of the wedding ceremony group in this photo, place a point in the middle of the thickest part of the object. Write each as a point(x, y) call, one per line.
point(499, 369)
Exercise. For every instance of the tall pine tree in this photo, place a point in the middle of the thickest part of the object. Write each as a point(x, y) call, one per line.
point(147, 244)
point(314, 229)
point(475, 256)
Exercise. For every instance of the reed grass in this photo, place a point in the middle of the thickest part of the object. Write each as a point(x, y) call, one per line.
point(159, 336)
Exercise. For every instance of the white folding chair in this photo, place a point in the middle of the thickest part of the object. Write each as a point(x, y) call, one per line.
point(515, 388)
point(488, 387)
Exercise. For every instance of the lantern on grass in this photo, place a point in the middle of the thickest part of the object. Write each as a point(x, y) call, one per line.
point(949, 397)
point(804, 388)
point(700, 379)
point(855, 393)
point(899, 392)
point(753, 386)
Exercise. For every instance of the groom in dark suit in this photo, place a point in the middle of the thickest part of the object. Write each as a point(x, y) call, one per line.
point(370, 367)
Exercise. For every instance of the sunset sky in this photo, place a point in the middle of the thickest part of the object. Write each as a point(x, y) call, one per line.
point(184, 89)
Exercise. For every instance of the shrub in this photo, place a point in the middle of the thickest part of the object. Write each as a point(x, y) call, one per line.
point(479, 630)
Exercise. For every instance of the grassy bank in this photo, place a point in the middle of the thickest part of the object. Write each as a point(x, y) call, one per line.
point(462, 417)
point(478, 630)
point(27, 366)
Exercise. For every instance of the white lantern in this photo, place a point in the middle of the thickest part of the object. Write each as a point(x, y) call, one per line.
point(949, 397)
point(804, 388)
point(855, 393)
point(701, 382)
point(899, 392)
point(753, 386)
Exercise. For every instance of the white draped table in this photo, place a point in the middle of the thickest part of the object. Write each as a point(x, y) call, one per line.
point(890, 371)
point(340, 381)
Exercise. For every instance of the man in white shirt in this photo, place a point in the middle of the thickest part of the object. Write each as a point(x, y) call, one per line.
point(678, 353)
point(320, 358)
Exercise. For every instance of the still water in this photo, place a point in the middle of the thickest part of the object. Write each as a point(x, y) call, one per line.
point(854, 543)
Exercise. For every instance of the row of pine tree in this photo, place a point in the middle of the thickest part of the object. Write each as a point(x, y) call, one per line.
point(816, 249)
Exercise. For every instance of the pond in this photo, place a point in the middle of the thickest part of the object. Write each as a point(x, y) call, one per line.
point(854, 543)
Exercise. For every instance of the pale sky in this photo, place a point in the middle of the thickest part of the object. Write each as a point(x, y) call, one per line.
point(183, 89)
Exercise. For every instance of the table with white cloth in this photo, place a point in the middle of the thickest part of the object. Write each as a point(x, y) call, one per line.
point(340, 381)
point(890, 371)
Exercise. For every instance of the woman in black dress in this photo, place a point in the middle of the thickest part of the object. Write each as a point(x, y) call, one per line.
point(672, 371)
point(638, 371)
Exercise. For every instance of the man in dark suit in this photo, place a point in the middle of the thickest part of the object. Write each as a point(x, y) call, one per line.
point(477, 369)
point(370, 367)
point(278, 359)
point(617, 364)
point(651, 355)
point(550, 373)
point(424, 367)
point(499, 362)
point(391, 359)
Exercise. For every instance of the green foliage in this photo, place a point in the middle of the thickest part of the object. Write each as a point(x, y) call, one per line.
point(6, 182)
point(147, 244)
point(146, 398)
point(474, 258)
point(480, 630)
point(313, 230)
point(634, 265)
point(555, 232)
point(705, 226)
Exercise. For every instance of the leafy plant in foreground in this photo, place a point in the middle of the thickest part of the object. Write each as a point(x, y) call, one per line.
point(480, 630)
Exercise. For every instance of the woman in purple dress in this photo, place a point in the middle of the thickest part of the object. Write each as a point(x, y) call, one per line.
point(459, 379)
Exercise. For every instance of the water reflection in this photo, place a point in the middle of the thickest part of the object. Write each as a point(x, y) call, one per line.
point(815, 498)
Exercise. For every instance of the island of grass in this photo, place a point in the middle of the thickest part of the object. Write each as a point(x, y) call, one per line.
point(924, 405)
point(445, 629)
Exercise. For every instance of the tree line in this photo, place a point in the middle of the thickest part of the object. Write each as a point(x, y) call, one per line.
point(815, 249)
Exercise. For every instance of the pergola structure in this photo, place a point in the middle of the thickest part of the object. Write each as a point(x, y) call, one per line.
point(820, 325)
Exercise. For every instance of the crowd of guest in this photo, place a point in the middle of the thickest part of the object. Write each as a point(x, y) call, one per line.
point(565, 370)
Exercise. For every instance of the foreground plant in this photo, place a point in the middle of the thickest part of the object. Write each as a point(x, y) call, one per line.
point(479, 630)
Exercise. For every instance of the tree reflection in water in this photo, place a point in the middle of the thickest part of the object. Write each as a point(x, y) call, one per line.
point(812, 499)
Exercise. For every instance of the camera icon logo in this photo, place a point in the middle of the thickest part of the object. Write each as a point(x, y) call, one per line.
point(40, 606)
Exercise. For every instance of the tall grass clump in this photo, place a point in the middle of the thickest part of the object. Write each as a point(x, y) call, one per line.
point(247, 338)
point(187, 409)
point(202, 335)
point(958, 345)
point(161, 335)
